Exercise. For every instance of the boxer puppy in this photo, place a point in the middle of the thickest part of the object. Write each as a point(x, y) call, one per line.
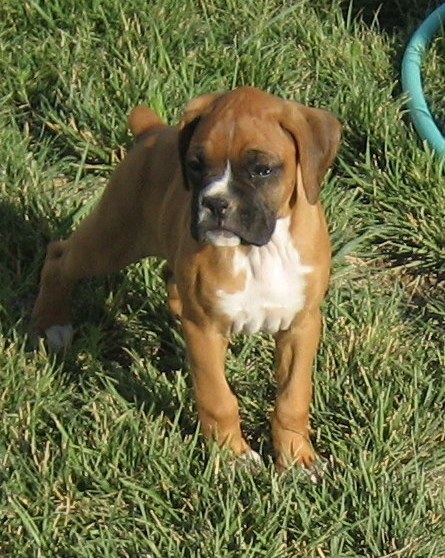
point(230, 199)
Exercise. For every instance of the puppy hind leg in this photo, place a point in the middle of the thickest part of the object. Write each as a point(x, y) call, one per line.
point(51, 313)
point(87, 252)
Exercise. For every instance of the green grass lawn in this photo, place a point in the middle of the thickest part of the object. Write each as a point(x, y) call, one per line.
point(100, 455)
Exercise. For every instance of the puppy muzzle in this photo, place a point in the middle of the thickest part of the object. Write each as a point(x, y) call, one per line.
point(220, 221)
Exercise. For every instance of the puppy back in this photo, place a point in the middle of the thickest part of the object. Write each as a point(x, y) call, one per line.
point(142, 119)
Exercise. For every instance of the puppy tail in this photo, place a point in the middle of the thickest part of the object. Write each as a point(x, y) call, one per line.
point(142, 119)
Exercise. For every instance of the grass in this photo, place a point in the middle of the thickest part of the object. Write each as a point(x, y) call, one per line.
point(100, 454)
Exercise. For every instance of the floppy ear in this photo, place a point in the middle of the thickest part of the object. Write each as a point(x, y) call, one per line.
point(194, 111)
point(317, 135)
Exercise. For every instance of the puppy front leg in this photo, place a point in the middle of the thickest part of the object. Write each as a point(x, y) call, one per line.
point(217, 405)
point(295, 353)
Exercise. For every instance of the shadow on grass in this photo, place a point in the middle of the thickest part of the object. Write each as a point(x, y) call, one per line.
point(138, 352)
point(22, 238)
point(398, 17)
point(150, 333)
point(426, 294)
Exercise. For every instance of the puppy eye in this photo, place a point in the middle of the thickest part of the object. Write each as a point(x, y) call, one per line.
point(195, 165)
point(262, 171)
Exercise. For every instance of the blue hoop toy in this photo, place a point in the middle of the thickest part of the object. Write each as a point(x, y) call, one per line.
point(412, 82)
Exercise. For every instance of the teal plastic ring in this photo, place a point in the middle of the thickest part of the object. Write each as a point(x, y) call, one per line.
point(412, 83)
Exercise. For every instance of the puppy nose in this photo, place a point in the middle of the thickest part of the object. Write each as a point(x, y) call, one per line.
point(218, 206)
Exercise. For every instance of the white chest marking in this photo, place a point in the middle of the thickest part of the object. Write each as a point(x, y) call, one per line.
point(274, 285)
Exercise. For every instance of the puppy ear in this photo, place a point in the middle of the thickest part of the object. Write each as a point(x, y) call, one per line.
point(194, 111)
point(317, 136)
point(142, 119)
point(197, 107)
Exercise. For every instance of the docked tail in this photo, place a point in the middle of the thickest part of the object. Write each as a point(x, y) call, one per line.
point(142, 119)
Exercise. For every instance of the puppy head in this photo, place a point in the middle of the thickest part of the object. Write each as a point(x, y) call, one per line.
point(239, 152)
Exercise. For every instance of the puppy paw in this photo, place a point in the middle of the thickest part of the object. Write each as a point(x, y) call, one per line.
point(251, 460)
point(313, 470)
point(316, 471)
point(294, 450)
point(59, 337)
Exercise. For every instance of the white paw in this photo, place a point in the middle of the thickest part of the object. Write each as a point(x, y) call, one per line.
point(252, 460)
point(317, 471)
point(59, 337)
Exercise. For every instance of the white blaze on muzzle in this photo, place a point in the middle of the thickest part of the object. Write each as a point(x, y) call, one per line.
point(219, 188)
